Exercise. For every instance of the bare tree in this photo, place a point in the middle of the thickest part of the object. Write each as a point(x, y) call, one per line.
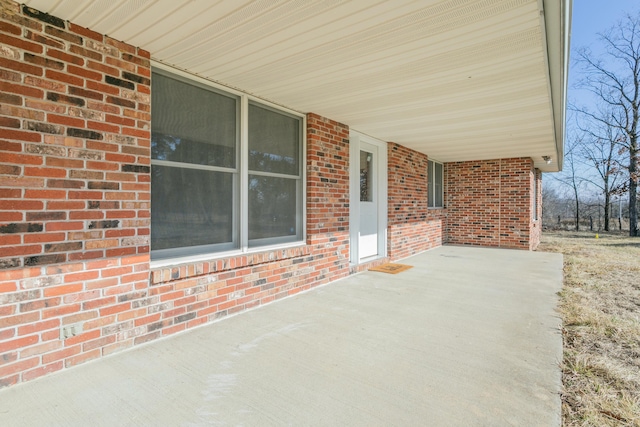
point(554, 206)
point(571, 176)
point(614, 78)
point(600, 150)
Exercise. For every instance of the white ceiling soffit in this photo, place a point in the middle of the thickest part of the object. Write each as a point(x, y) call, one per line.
point(455, 79)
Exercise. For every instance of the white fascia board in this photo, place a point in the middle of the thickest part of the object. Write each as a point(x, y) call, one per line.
point(556, 20)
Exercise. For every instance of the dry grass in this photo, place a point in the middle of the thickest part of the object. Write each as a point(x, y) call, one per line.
point(600, 309)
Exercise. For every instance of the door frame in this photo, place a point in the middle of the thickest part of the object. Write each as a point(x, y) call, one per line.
point(354, 194)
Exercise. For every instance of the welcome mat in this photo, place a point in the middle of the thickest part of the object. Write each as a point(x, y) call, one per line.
point(391, 268)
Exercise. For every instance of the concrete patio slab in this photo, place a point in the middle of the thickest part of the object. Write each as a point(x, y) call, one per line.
point(468, 336)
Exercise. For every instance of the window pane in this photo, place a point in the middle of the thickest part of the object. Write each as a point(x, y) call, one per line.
point(535, 195)
point(273, 206)
point(438, 185)
point(430, 172)
point(274, 141)
point(366, 177)
point(190, 207)
point(191, 124)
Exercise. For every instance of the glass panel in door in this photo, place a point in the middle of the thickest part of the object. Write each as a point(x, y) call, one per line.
point(368, 241)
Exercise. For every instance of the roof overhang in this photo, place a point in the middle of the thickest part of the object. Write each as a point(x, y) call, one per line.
point(455, 79)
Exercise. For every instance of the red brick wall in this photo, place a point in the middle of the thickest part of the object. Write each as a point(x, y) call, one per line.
point(489, 203)
point(74, 143)
point(327, 176)
point(412, 226)
point(516, 203)
point(74, 190)
point(328, 196)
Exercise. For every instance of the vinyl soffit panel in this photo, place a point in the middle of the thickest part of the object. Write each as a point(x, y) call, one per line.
point(355, 61)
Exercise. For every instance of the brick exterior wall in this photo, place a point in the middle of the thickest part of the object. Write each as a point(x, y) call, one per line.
point(328, 196)
point(489, 203)
point(327, 176)
point(412, 226)
point(75, 143)
point(74, 191)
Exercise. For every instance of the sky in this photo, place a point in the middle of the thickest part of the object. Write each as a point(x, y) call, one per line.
point(593, 16)
point(589, 18)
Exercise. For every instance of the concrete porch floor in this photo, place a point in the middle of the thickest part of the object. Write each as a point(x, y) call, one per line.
point(468, 336)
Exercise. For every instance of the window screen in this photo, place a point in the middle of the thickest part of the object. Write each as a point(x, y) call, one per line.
point(435, 179)
point(197, 169)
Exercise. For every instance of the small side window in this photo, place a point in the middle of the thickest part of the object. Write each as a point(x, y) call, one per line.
point(435, 180)
point(536, 189)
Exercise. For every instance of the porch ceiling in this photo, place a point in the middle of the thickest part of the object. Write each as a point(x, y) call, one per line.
point(455, 79)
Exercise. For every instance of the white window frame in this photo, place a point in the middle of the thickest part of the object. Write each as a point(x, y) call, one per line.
point(431, 171)
point(241, 218)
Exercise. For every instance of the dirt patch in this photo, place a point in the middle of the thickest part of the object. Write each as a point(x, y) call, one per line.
point(600, 309)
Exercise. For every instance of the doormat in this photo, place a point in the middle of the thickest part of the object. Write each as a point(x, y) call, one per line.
point(391, 268)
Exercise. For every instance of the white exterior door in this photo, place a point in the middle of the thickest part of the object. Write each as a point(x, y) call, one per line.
point(368, 204)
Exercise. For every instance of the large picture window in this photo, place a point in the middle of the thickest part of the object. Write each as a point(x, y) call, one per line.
point(435, 190)
point(215, 187)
